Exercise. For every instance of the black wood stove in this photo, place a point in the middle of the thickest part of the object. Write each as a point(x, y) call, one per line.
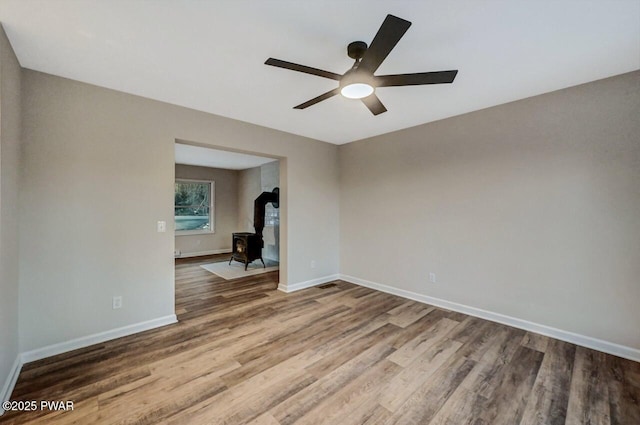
point(247, 247)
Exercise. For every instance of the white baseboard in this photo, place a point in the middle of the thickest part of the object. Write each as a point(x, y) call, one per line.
point(85, 341)
point(74, 344)
point(574, 338)
point(10, 383)
point(292, 287)
point(202, 253)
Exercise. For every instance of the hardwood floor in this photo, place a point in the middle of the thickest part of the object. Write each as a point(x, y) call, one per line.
point(335, 354)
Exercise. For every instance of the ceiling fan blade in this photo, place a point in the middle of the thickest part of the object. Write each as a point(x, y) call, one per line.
point(417, 79)
point(320, 98)
point(390, 32)
point(301, 68)
point(373, 103)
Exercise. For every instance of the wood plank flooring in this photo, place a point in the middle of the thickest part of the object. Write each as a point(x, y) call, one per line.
point(244, 353)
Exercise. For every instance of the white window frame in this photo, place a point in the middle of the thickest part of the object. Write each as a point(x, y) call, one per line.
point(212, 203)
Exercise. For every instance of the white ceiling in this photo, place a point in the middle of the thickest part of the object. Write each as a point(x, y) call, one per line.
point(209, 55)
point(206, 157)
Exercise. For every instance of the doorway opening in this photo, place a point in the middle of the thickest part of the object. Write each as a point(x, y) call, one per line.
point(219, 196)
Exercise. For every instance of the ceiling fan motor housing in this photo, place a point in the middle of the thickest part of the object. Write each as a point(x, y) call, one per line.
point(353, 76)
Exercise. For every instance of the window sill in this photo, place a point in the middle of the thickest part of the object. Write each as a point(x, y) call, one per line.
point(194, 232)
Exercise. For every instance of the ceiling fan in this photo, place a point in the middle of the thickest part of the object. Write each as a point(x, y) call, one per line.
point(359, 81)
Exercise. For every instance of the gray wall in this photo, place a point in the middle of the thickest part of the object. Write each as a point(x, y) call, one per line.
point(10, 122)
point(249, 188)
point(225, 210)
point(529, 209)
point(98, 174)
point(269, 180)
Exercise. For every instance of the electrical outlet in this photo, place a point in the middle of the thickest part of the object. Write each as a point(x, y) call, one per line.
point(117, 302)
point(432, 277)
point(162, 226)
point(313, 264)
point(177, 253)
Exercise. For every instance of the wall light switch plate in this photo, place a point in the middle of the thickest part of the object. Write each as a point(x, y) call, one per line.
point(117, 302)
point(162, 226)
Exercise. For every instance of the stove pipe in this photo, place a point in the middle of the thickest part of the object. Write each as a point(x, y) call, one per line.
point(259, 208)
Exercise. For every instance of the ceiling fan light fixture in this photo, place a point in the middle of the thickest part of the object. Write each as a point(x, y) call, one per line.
point(357, 90)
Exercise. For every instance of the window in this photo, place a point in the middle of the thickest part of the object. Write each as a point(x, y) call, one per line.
point(194, 207)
